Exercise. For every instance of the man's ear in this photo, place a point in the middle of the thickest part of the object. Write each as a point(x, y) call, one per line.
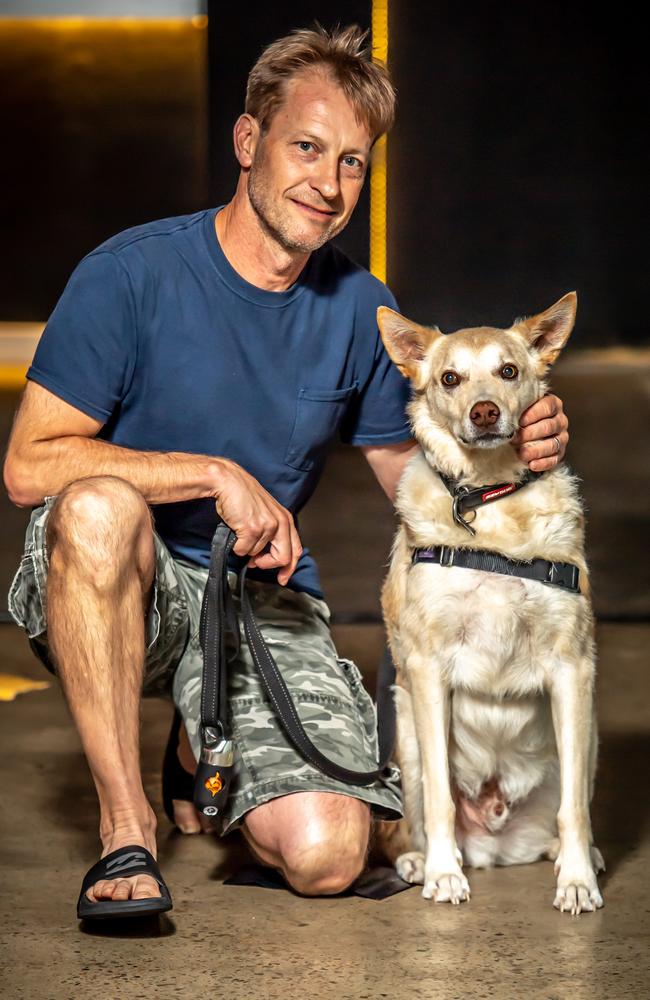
point(245, 136)
point(407, 343)
point(548, 331)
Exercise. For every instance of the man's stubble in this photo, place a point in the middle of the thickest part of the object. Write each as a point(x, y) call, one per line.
point(270, 215)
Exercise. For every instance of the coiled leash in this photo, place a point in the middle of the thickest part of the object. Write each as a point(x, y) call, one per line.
point(218, 613)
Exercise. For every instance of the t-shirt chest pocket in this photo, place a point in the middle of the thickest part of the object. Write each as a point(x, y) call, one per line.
point(318, 415)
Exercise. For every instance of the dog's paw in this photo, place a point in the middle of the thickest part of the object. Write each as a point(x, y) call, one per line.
point(410, 867)
point(452, 888)
point(577, 888)
point(576, 897)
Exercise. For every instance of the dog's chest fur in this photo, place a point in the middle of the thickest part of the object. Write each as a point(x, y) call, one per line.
point(496, 635)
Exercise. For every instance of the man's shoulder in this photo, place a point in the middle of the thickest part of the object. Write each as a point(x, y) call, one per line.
point(346, 275)
point(150, 235)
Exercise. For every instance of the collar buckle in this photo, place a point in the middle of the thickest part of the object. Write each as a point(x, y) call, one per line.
point(569, 577)
point(446, 555)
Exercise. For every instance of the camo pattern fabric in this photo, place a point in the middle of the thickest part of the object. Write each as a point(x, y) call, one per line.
point(333, 705)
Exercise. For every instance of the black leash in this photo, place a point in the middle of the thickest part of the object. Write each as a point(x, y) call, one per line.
point(218, 612)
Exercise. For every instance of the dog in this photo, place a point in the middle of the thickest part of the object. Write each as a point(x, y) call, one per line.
point(496, 729)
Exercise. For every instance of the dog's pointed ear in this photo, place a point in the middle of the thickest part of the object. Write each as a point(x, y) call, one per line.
point(407, 342)
point(548, 331)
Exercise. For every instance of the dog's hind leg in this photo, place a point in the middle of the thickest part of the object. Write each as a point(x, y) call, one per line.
point(571, 685)
point(443, 877)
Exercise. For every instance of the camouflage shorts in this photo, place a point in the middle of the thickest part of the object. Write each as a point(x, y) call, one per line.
point(333, 704)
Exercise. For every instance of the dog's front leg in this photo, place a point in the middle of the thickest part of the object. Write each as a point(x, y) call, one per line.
point(443, 877)
point(572, 689)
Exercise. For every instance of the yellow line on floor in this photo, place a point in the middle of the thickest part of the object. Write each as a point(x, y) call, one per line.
point(11, 686)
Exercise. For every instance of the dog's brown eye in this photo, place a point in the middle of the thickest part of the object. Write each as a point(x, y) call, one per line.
point(450, 378)
point(509, 371)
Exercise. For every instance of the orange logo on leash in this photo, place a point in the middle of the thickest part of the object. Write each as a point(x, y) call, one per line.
point(214, 784)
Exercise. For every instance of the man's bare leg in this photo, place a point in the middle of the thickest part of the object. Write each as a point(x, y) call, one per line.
point(318, 840)
point(100, 579)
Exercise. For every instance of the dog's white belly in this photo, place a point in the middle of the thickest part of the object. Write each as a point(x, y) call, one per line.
point(490, 632)
point(511, 740)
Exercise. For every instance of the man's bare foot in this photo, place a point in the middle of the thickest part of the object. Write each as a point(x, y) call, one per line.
point(137, 886)
point(187, 819)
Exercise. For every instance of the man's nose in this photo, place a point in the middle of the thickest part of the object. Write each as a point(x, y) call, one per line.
point(484, 413)
point(327, 179)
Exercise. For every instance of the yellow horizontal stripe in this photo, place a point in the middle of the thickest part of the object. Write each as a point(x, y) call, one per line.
point(10, 686)
point(12, 376)
point(78, 23)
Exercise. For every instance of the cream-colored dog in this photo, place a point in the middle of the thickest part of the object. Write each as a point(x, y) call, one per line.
point(497, 735)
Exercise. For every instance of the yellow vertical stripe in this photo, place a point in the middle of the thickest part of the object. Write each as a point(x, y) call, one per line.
point(378, 169)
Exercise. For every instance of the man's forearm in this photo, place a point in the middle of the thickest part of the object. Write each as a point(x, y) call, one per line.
point(161, 477)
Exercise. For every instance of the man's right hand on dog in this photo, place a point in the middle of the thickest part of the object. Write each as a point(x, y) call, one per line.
point(258, 520)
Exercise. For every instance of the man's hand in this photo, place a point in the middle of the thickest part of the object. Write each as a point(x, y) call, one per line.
point(257, 519)
point(543, 426)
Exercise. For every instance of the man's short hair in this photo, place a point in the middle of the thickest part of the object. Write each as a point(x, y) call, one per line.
point(340, 52)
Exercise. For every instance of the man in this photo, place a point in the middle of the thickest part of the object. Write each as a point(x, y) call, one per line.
point(206, 362)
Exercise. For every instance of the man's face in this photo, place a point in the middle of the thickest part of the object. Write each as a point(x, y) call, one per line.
point(308, 169)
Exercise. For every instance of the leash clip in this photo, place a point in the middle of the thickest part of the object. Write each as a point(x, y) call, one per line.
point(459, 496)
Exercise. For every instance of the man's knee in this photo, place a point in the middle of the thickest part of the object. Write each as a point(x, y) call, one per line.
point(326, 860)
point(104, 514)
point(323, 870)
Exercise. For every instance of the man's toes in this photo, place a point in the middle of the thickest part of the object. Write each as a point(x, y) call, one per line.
point(100, 890)
point(145, 887)
point(186, 817)
point(138, 887)
point(122, 890)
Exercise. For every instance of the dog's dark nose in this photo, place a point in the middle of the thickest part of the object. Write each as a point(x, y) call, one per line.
point(485, 413)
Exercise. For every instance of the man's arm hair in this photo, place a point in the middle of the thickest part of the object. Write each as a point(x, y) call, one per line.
point(387, 461)
point(53, 443)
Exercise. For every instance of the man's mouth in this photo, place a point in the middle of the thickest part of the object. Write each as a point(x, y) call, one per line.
point(322, 213)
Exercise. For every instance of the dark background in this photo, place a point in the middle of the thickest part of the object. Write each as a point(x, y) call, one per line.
point(517, 172)
point(517, 168)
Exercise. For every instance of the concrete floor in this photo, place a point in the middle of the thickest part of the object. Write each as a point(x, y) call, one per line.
point(236, 942)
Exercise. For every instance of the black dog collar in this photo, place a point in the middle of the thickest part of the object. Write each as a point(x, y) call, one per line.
point(557, 574)
point(467, 498)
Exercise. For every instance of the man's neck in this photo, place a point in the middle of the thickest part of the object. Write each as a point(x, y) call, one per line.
point(252, 252)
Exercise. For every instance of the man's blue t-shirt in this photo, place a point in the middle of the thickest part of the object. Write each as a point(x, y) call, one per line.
point(158, 336)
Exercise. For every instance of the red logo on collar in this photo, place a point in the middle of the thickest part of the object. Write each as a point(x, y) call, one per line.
point(493, 494)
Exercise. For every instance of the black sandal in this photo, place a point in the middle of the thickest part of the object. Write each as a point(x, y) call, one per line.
point(177, 783)
point(131, 860)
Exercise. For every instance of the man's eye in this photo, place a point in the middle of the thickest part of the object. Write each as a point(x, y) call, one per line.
point(450, 378)
point(509, 372)
point(304, 142)
point(355, 162)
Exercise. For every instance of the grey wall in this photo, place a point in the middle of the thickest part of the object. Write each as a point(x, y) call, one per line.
point(101, 8)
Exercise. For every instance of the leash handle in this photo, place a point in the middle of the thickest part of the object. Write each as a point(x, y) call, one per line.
point(214, 770)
